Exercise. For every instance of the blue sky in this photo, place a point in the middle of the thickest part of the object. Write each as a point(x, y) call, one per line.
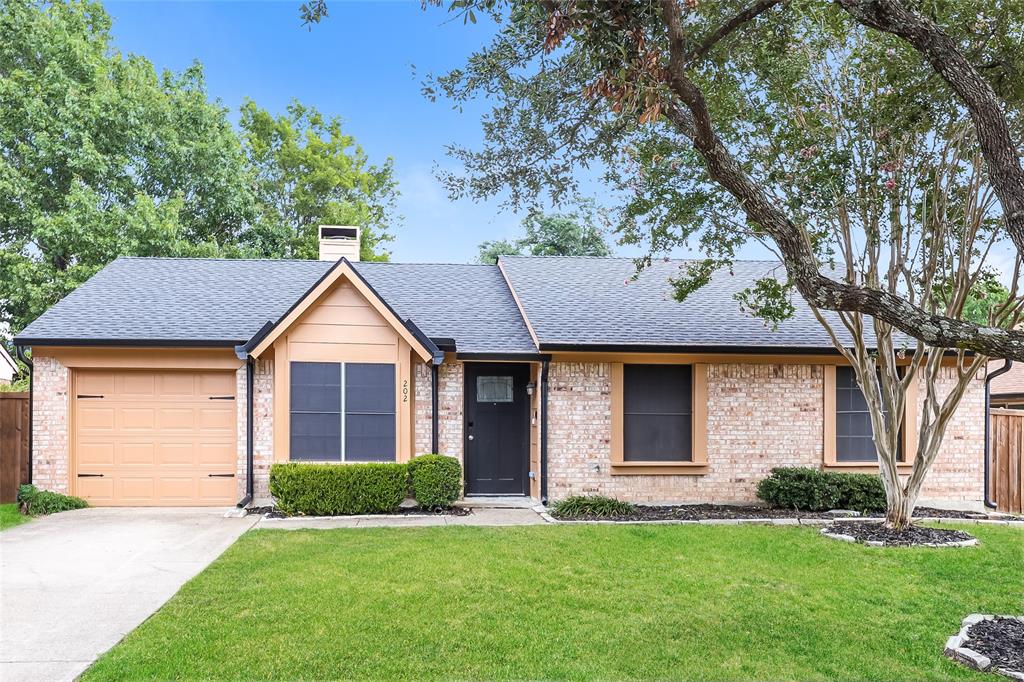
point(357, 64)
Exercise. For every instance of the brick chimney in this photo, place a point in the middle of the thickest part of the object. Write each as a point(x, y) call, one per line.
point(337, 241)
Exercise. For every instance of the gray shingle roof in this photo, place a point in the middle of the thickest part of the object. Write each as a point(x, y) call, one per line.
point(569, 301)
point(572, 300)
point(227, 301)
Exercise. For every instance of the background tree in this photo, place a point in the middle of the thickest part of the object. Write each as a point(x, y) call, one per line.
point(559, 234)
point(309, 173)
point(856, 156)
point(100, 156)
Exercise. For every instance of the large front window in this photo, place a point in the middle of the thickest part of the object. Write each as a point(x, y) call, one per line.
point(342, 412)
point(657, 420)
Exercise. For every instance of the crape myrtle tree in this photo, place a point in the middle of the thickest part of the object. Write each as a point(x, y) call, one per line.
point(872, 145)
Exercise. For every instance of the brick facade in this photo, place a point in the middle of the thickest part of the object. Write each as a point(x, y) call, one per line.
point(263, 432)
point(50, 420)
point(760, 416)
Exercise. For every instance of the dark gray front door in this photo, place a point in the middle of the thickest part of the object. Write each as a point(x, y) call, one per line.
point(497, 435)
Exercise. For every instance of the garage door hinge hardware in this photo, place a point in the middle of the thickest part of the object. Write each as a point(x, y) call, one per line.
point(80, 395)
point(222, 397)
point(90, 475)
point(221, 475)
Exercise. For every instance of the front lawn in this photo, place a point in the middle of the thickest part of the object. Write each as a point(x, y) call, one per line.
point(581, 602)
point(10, 516)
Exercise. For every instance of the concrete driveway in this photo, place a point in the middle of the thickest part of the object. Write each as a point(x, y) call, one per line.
point(73, 584)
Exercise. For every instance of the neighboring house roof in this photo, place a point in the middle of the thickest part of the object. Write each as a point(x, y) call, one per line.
point(572, 301)
point(8, 367)
point(1011, 383)
point(227, 302)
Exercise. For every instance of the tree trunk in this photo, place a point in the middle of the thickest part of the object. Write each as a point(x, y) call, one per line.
point(900, 509)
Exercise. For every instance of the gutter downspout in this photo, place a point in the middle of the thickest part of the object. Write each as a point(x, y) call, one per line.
point(19, 352)
point(544, 432)
point(991, 504)
point(433, 408)
point(250, 364)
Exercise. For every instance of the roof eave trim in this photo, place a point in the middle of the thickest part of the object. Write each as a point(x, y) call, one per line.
point(658, 348)
point(26, 342)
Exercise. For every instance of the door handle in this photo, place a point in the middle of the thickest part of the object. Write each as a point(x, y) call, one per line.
point(470, 436)
point(220, 475)
point(90, 475)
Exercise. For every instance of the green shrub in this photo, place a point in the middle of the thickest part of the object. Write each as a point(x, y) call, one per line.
point(436, 481)
point(582, 506)
point(32, 500)
point(338, 489)
point(860, 492)
point(799, 488)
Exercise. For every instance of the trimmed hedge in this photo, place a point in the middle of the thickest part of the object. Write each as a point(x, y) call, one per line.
point(338, 489)
point(436, 481)
point(813, 490)
point(35, 502)
point(586, 506)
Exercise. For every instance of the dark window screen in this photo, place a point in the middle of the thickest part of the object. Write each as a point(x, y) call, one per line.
point(853, 422)
point(315, 410)
point(657, 413)
point(369, 412)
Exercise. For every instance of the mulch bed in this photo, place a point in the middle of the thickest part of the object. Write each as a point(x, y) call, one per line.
point(703, 512)
point(1001, 639)
point(275, 513)
point(866, 531)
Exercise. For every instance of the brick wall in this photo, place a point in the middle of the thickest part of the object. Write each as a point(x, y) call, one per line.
point(450, 407)
point(50, 421)
point(422, 379)
point(759, 416)
point(957, 476)
point(263, 432)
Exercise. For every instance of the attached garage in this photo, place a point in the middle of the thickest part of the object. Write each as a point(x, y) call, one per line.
point(154, 437)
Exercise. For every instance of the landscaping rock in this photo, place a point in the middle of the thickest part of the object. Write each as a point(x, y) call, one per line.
point(841, 513)
point(990, 643)
point(874, 534)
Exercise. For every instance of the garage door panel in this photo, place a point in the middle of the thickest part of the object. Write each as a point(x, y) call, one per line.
point(177, 385)
point(138, 454)
point(96, 454)
point(216, 488)
point(137, 418)
point(95, 419)
point(217, 419)
point(138, 385)
point(178, 418)
point(95, 383)
point(222, 384)
point(98, 491)
point(155, 438)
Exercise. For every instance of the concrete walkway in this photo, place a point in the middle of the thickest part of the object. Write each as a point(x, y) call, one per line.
point(480, 516)
point(73, 584)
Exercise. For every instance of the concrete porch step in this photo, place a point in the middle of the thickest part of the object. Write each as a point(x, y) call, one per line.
point(497, 502)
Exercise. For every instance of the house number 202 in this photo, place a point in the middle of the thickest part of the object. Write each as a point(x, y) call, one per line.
point(405, 390)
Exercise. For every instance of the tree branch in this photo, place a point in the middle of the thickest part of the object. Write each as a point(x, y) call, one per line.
point(798, 256)
point(993, 131)
point(744, 17)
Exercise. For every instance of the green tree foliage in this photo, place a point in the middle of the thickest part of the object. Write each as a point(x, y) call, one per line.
point(308, 173)
point(102, 156)
point(559, 234)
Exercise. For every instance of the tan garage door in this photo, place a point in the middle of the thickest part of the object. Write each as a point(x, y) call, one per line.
point(145, 438)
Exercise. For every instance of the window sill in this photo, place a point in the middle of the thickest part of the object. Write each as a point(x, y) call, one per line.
point(659, 468)
point(863, 468)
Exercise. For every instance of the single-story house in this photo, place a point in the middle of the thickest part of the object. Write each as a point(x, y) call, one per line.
point(166, 381)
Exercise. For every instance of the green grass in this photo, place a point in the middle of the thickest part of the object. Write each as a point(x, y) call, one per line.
point(11, 517)
point(579, 602)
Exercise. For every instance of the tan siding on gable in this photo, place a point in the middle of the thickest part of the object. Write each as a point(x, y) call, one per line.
point(343, 326)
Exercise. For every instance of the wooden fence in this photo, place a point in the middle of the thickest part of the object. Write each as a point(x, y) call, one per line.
point(13, 444)
point(1007, 468)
